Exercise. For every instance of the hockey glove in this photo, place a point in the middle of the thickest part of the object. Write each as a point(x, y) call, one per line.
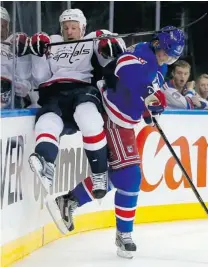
point(155, 105)
point(110, 48)
point(38, 44)
point(21, 44)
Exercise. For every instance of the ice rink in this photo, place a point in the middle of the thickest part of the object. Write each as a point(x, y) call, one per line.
point(181, 244)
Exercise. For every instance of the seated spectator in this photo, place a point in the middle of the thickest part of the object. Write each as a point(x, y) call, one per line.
point(202, 86)
point(199, 96)
point(22, 69)
point(176, 88)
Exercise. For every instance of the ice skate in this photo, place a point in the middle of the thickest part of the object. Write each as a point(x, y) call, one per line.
point(67, 205)
point(61, 210)
point(44, 170)
point(100, 184)
point(125, 244)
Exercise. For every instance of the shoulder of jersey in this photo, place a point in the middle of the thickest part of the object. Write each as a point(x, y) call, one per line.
point(56, 38)
point(96, 33)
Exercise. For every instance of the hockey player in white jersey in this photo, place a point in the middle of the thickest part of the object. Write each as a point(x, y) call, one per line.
point(66, 76)
point(23, 64)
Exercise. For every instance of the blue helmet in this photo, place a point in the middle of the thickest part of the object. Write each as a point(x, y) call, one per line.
point(171, 40)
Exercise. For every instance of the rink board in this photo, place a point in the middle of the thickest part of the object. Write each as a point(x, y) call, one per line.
point(165, 194)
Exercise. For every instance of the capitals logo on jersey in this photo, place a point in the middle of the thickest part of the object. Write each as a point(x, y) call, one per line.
point(70, 52)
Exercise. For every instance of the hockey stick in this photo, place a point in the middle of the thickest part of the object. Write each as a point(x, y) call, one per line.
point(180, 165)
point(104, 36)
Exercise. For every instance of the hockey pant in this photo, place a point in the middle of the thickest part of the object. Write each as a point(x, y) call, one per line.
point(49, 128)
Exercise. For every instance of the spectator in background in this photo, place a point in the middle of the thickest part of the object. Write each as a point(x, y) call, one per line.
point(176, 88)
point(200, 93)
point(22, 65)
point(180, 75)
point(202, 86)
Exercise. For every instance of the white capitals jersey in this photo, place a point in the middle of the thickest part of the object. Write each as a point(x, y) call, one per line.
point(22, 70)
point(6, 62)
point(68, 62)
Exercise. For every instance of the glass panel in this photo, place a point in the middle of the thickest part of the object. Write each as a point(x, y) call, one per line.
point(179, 13)
point(97, 14)
point(134, 17)
point(6, 56)
point(50, 12)
point(16, 68)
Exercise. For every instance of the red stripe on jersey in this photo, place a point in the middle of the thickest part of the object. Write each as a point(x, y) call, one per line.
point(88, 183)
point(50, 136)
point(126, 58)
point(117, 114)
point(190, 102)
point(94, 139)
point(125, 213)
point(62, 80)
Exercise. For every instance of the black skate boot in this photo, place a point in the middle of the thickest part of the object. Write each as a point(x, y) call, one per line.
point(67, 205)
point(100, 184)
point(125, 245)
point(44, 170)
point(61, 210)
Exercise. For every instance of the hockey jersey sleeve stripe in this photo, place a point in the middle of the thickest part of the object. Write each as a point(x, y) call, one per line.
point(117, 114)
point(94, 139)
point(125, 61)
point(125, 58)
point(190, 104)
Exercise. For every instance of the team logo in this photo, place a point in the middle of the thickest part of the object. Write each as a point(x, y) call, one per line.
point(130, 149)
point(172, 36)
point(142, 61)
point(179, 48)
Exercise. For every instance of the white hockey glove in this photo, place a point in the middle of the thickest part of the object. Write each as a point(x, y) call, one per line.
point(110, 48)
point(38, 44)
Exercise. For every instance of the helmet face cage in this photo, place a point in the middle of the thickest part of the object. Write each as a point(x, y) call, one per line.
point(172, 41)
point(75, 15)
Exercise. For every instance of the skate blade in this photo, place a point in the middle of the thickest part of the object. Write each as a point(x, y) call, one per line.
point(36, 168)
point(55, 213)
point(125, 254)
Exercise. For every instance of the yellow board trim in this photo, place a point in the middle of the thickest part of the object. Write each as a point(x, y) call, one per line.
point(18, 249)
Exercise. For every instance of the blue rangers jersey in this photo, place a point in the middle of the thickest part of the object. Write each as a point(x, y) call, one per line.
point(131, 82)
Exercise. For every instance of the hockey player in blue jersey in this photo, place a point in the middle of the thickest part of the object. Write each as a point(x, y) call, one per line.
point(130, 91)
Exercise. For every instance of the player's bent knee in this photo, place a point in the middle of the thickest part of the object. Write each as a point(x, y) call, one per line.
point(88, 119)
point(49, 123)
